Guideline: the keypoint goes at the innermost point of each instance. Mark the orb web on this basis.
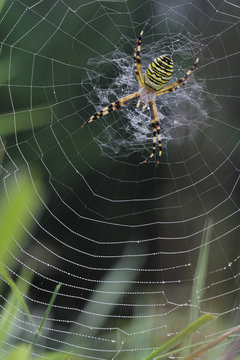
(130, 131)
(123, 239)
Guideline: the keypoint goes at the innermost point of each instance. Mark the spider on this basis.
(153, 84)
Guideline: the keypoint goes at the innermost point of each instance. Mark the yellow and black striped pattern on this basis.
(153, 84)
(182, 81)
(137, 58)
(156, 133)
(112, 107)
(159, 72)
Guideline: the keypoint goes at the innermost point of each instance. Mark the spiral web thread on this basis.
(122, 238)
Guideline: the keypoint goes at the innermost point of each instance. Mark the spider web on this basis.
(122, 238)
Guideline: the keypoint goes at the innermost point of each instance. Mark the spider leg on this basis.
(156, 133)
(137, 59)
(180, 82)
(174, 88)
(113, 106)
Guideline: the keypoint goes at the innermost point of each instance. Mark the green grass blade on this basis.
(200, 272)
(211, 344)
(199, 277)
(181, 336)
(11, 307)
(46, 314)
(205, 346)
(15, 290)
(176, 351)
(16, 201)
(2, 3)
(15, 214)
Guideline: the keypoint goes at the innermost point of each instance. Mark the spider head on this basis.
(159, 72)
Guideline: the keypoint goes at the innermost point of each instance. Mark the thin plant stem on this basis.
(182, 335)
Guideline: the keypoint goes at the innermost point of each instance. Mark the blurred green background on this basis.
(123, 239)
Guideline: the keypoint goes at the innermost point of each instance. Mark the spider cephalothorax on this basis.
(152, 85)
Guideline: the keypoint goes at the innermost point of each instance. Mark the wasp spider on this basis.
(151, 85)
